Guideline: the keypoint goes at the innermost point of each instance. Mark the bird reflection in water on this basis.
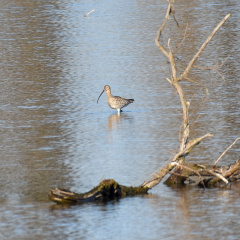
(115, 119)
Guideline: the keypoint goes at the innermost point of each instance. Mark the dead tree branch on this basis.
(187, 70)
(185, 147)
(225, 152)
(167, 168)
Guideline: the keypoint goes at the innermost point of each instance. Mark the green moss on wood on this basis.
(107, 190)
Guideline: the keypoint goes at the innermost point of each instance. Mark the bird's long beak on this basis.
(100, 95)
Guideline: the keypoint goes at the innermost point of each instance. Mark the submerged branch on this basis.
(107, 190)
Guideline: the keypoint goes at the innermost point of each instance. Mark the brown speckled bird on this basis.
(115, 102)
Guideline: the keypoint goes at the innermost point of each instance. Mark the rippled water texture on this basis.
(55, 63)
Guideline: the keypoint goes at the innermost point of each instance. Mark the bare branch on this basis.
(213, 67)
(172, 61)
(225, 152)
(218, 175)
(190, 80)
(86, 14)
(169, 81)
(167, 168)
(174, 80)
(184, 37)
(202, 47)
(170, 10)
(164, 23)
(233, 170)
(173, 11)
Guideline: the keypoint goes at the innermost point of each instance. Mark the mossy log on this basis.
(107, 190)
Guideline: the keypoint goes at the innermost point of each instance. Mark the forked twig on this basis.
(215, 68)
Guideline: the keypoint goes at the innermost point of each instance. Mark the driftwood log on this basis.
(106, 190)
(180, 171)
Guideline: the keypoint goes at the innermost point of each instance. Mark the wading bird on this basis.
(115, 102)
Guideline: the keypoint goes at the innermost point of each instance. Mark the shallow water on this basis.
(55, 63)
